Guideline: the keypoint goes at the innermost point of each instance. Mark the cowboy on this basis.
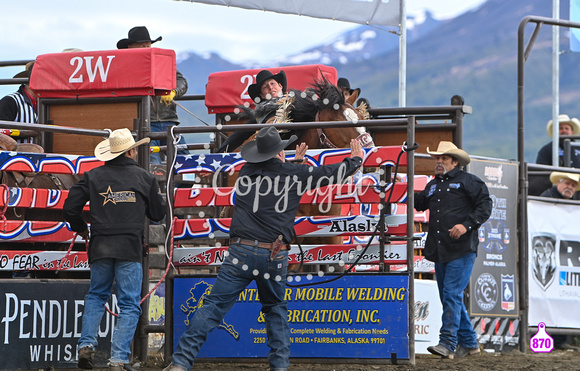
(458, 203)
(163, 108)
(20, 106)
(567, 126)
(260, 233)
(121, 194)
(344, 85)
(564, 185)
(266, 92)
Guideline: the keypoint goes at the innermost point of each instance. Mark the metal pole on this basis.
(403, 56)
(411, 234)
(555, 84)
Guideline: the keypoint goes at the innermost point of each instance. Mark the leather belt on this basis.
(263, 245)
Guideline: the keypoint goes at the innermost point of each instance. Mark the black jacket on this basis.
(455, 198)
(545, 156)
(265, 215)
(121, 194)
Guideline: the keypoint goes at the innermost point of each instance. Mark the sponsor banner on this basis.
(312, 226)
(497, 334)
(43, 260)
(40, 323)
(311, 254)
(422, 265)
(232, 162)
(428, 312)
(356, 316)
(157, 304)
(554, 268)
(493, 285)
(47, 163)
(104, 73)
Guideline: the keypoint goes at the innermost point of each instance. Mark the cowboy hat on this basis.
(263, 76)
(26, 72)
(119, 142)
(450, 149)
(138, 34)
(267, 145)
(565, 119)
(556, 176)
(343, 83)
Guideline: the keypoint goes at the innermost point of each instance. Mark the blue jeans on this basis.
(452, 279)
(235, 274)
(155, 158)
(129, 277)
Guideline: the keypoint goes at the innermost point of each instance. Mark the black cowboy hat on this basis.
(261, 78)
(343, 83)
(138, 34)
(267, 145)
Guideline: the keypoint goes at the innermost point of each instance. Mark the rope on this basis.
(72, 243)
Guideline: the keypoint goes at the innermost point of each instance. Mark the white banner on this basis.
(367, 12)
(428, 312)
(554, 264)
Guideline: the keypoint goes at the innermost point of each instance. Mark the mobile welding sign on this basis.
(40, 324)
(356, 316)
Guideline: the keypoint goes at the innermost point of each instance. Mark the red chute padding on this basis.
(227, 90)
(104, 73)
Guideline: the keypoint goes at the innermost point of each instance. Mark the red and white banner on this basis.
(554, 268)
(104, 73)
(227, 90)
(43, 260)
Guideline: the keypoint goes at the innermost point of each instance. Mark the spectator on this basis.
(163, 108)
(260, 233)
(568, 126)
(458, 203)
(565, 185)
(20, 106)
(120, 195)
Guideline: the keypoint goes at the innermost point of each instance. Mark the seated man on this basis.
(565, 185)
(567, 126)
(265, 93)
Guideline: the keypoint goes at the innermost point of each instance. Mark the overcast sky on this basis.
(33, 27)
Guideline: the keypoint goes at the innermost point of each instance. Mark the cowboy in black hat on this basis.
(344, 85)
(268, 86)
(268, 192)
(163, 108)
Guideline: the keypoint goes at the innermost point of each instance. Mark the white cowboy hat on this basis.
(450, 149)
(119, 142)
(556, 176)
(565, 119)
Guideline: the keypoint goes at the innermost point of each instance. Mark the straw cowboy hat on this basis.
(119, 142)
(26, 72)
(565, 119)
(556, 177)
(267, 145)
(450, 149)
(138, 34)
(263, 76)
(343, 83)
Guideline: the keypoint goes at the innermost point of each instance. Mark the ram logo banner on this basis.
(543, 259)
(356, 316)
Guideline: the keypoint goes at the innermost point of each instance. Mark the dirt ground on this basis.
(515, 360)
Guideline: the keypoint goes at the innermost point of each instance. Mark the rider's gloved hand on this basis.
(167, 99)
